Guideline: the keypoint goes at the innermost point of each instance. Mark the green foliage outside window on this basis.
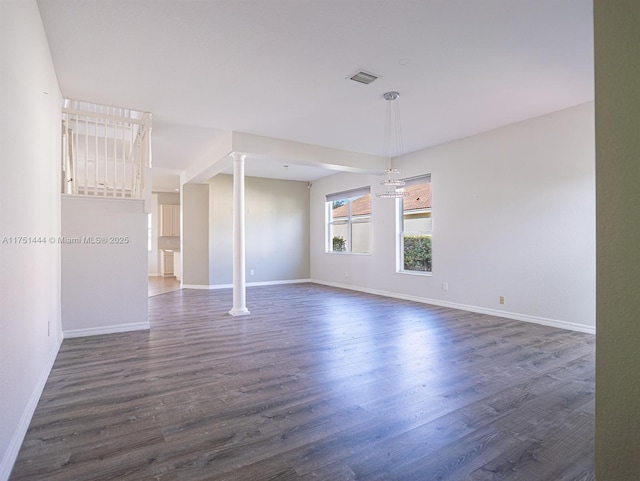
(417, 253)
(339, 244)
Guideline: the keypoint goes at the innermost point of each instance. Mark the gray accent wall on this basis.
(276, 230)
(617, 54)
(195, 234)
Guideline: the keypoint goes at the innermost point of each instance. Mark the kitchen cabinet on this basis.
(166, 263)
(169, 220)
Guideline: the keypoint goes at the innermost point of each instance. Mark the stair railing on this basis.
(106, 151)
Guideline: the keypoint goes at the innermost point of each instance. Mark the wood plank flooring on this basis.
(317, 383)
(162, 285)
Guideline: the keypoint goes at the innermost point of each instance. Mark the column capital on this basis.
(237, 156)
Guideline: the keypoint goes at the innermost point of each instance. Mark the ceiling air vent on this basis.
(363, 77)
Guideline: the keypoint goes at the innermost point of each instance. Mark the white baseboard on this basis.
(249, 284)
(95, 331)
(11, 454)
(275, 283)
(572, 326)
(198, 286)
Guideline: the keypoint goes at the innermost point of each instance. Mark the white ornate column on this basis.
(239, 282)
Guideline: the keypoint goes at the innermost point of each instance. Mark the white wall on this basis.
(276, 230)
(153, 256)
(513, 216)
(104, 285)
(30, 329)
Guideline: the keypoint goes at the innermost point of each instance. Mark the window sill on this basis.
(348, 253)
(416, 273)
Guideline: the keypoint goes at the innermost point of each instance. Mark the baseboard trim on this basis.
(248, 284)
(275, 283)
(195, 286)
(11, 454)
(96, 331)
(571, 326)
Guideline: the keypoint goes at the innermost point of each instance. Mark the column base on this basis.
(243, 311)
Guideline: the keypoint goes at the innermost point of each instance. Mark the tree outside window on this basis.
(414, 226)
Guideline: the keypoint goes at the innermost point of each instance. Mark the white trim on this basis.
(349, 194)
(11, 454)
(572, 326)
(239, 312)
(249, 284)
(81, 197)
(96, 331)
(416, 273)
(343, 253)
(101, 116)
(202, 286)
(416, 180)
(274, 283)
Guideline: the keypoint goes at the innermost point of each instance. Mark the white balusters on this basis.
(105, 150)
(86, 155)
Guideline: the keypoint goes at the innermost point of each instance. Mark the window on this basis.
(414, 226)
(349, 221)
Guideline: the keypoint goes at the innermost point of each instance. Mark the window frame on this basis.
(401, 233)
(350, 220)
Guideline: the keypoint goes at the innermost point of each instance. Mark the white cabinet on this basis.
(169, 220)
(166, 263)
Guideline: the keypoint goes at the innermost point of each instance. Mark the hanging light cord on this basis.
(392, 132)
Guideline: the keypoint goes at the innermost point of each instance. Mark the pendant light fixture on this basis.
(392, 146)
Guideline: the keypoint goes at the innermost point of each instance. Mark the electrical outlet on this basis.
(346, 273)
(251, 272)
(445, 286)
(502, 300)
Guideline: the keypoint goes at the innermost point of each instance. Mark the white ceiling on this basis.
(280, 68)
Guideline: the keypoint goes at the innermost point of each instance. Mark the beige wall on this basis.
(276, 230)
(168, 198)
(617, 57)
(195, 234)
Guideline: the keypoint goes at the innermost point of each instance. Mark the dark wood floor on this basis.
(316, 384)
